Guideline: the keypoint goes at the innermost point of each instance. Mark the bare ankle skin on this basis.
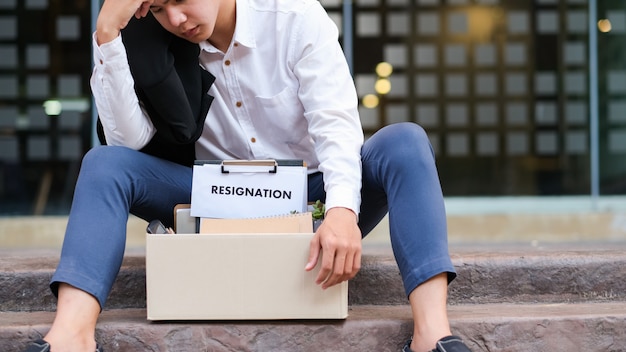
(74, 325)
(430, 315)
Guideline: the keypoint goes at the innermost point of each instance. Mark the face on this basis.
(193, 20)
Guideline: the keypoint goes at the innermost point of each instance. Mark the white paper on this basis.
(247, 194)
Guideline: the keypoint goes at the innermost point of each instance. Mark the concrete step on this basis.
(509, 327)
(516, 274)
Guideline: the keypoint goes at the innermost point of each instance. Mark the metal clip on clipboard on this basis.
(241, 166)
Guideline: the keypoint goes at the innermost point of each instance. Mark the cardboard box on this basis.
(237, 276)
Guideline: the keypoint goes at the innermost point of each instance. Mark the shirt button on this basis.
(239, 104)
(253, 140)
(236, 44)
(227, 62)
(101, 62)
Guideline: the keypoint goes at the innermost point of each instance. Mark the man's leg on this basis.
(399, 175)
(113, 182)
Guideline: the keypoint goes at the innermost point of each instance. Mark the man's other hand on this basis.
(339, 240)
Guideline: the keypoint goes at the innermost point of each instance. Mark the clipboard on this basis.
(231, 189)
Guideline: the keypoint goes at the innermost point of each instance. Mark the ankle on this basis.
(70, 342)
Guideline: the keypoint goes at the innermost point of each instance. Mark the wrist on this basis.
(105, 34)
(340, 211)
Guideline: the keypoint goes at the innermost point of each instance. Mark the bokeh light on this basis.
(384, 69)
(370, 101)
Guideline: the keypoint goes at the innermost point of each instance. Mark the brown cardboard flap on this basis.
(293, 223)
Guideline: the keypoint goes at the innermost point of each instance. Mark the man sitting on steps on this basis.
(283, 90)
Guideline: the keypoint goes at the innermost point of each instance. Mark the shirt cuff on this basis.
(112, 54)
(343, 197)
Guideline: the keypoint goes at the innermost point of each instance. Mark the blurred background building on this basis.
(520, 98)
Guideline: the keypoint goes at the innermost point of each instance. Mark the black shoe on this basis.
(406, 348)
(42, 346)
(38, 346)
(446, 344)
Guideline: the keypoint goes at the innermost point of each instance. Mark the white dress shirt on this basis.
(283, 90)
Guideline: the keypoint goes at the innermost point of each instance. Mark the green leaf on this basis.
(318, 210)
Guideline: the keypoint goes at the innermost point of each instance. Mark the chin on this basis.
(194, 39)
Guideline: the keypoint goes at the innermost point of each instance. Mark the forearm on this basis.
(338, 152)
(338, 136)
(123, 120)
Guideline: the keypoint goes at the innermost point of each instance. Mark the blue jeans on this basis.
(399, 177)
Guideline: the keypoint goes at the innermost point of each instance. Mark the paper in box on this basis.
(294, 223)
(240, 276)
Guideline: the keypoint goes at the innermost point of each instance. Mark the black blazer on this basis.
(171, 85)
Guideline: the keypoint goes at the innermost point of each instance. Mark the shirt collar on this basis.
(244, 35)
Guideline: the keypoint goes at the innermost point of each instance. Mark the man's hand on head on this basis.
(143, 10)
(114, 16)
(339, 240)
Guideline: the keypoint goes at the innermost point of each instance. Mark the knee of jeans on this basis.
(406, 139)
(107, 162)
